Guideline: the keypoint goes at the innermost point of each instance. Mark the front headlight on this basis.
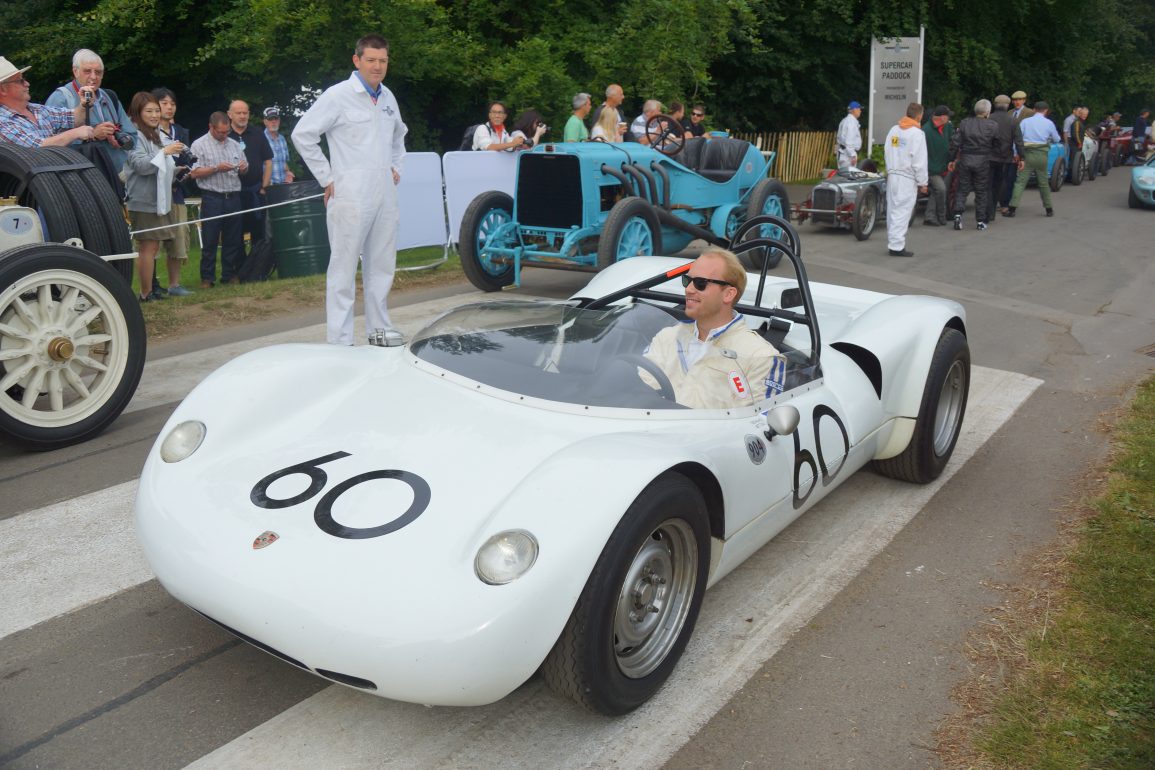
(1147, 179)
(182, 441)
(505, 557)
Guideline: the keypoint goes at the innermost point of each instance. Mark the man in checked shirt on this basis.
(220, 162)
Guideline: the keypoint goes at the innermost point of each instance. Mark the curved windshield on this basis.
(605, 357)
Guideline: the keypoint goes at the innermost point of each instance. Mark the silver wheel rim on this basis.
(950, 404)
(655, 598)
(63, 348)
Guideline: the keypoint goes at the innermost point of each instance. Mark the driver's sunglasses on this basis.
(701, 283)
(698, 114)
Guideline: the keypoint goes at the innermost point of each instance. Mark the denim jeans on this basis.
(227, 232)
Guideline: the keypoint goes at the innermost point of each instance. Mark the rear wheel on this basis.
(940, 415)
(631, 230)
(640, 603)
(72, 345)
(1092, 167)
(486, 214)
(768, 198)
(865, 214)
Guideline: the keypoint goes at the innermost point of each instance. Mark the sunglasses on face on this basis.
(701, 283)
(698, 114)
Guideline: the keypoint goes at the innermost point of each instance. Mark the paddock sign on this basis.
(895, 81)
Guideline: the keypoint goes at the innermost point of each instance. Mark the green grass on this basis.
(1086, 696)
(236, 304)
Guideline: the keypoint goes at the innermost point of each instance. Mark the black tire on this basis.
(484, 215)
(1108, 161)
(631, 230)
(940, 415)
(59, 357)
(1058, 175)
(1133, 201)
(1093, 168)
(865, 214)
(42, 192)
(769, 197)
(1078, 169)
(607, 658)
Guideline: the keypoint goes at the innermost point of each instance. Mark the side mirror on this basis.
(781, 421)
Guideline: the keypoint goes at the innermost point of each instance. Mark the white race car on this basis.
(435, 522)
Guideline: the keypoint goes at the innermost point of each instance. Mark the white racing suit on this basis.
(366, 145)
(737, 367)
(906, 171)
(849, 142)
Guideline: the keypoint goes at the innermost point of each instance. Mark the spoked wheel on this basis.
(1092, 167)
(1058, 175)
(940, 416)
(1078, 169)
(640, 603)
(631, 230)
(665, 134)
(480, 227)
(865, 214)
(72, 345)
(769, 198)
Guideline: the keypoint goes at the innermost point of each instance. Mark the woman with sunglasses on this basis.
(716, 361)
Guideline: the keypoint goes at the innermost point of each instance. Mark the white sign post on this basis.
(895, 81)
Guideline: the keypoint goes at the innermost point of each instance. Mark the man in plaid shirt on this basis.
(281, 173)
(34, 125)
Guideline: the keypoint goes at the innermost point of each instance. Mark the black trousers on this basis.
(974, 176)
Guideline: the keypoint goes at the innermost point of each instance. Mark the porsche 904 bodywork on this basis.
(434, 523)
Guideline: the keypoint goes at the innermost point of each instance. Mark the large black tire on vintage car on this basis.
(72, 345)
(1058, 174)
(1093, 168)
(484, 215)
(640, 603)
(1078, 168)
(769, 197)
(940, 415)
(865, 214)
(631, 230)
(71, 196)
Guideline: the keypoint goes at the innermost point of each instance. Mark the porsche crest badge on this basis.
(266, 538)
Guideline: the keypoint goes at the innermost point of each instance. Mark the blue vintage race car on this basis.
(1142, 191)
(587, 205)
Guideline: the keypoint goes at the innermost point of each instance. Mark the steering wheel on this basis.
(666, 134)
(665, 387)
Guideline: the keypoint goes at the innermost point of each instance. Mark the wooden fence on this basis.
(801, 154)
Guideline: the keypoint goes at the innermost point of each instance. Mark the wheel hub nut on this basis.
(61, 349)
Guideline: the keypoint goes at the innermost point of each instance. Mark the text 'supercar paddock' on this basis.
(434, 523)
(587, 205)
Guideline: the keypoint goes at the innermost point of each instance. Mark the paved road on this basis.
(835, 646)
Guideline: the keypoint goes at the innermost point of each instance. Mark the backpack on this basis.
(467, 137)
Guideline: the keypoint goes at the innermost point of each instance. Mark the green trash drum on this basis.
(300, 236)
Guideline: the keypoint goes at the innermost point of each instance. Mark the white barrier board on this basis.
(468, 174)
(420, 202)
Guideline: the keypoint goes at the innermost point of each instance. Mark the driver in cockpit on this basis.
(714, 360)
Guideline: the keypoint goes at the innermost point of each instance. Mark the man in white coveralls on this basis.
(906, 177)
(366, 136)
(849, 137)
(714, 360)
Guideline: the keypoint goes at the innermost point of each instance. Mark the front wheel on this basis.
(940, 415)
(486, 214)
(865, 214)
(1078, 169)
(1058, 175)
(72, 345)
(639, 606)
(768, 198)
(631, 230)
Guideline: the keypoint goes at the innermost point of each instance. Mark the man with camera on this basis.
(99, 106)
(220, 161)
(36, 125)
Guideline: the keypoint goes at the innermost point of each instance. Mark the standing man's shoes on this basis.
(206, 284)
(981, 226)
(900, 253)
(1010, 212)
(1050, 212)
(958, 221)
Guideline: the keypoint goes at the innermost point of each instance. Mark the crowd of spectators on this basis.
(992, 153)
